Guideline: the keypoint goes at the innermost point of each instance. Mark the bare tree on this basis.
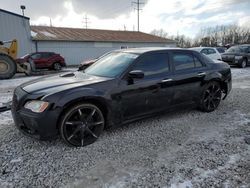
(219, 35)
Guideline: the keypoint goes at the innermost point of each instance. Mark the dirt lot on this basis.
(179, 149)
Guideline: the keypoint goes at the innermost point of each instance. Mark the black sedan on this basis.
(237, 55)
(121, 87)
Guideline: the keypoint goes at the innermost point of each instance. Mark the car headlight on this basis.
(36, 106)
(238, 57)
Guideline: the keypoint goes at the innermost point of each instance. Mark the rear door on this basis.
(45, 60)
(189, 73)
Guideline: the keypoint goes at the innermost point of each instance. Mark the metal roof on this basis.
(148, 49)
(45, 33)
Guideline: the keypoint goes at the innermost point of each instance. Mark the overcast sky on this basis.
(174, 16)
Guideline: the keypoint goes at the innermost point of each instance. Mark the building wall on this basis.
(76, 52)
(16, 27)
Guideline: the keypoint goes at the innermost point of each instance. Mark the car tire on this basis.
(243, 64)
(81, 125)
(57, 66)
(211, 97)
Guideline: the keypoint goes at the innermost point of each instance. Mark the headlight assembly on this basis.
(238, 57)
(36, 106)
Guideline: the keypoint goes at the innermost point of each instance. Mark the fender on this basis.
(78, 93)
(214, 76)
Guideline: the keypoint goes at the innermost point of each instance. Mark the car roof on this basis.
(202, 47)
(149, 49)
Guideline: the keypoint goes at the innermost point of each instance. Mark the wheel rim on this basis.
(83, 126)
(212, 97)
(57, 66)
(244, 64)
(4, 67)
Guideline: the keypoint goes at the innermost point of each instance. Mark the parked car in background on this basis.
(120, 87)
(212, 53)
(238, 55)
(221, 50)
(86, 64)
(42, 60)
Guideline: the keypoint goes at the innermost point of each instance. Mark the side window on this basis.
(45, 55)
(197, 62)
(211, 51)
(183, 61)
(36, 56)
(153, 64)
(204, 51)
(51, 54)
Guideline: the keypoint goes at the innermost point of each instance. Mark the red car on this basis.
(42, 60)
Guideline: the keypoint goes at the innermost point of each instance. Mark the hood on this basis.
(61, 82)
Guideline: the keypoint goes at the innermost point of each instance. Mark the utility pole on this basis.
(86, 21)
(138, 5)
(50, 22)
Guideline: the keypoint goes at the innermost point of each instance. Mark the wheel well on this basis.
(222, 84)
(97, 102)
(57, 62)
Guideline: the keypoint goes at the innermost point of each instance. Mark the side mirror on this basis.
(138, 74)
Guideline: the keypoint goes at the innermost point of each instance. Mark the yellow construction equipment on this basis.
(8, 66)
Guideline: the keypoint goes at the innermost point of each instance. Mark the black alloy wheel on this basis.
(82, 125)
(211, 97)
(243, 64)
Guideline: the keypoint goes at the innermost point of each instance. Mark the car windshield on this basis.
(112, 64)
(234, 49)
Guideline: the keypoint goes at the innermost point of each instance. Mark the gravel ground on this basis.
(187, 148)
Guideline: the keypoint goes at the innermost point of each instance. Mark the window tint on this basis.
(234, 49)
(46, 55)
(112, 64)
(197, 62)
(211, 51)
(36, 56)
(244, 49)
(204, 51)
(153, 64)
(183, 61)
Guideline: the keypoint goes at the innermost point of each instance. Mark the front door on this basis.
(152, 93)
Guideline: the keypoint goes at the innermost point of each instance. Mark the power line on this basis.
(138, 5)
(86, 21)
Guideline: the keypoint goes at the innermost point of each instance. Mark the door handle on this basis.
(166, 80)
(200, 74)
